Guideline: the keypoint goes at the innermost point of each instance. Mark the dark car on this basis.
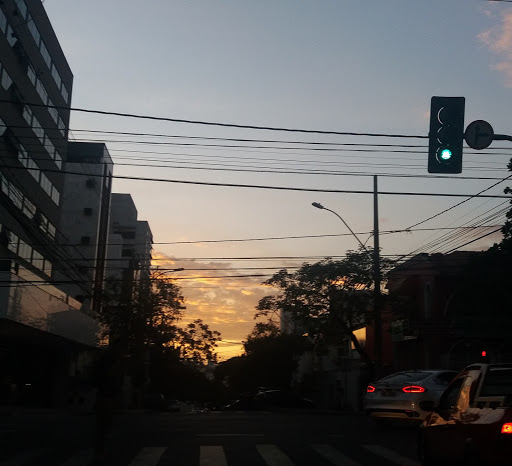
(270, 399)
(282, 399)
(472, 423)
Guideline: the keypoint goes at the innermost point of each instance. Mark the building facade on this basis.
(43, 332)
(85, 220)
(449, 311)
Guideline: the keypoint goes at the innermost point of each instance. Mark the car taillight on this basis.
(413, 389)
(506, 428)
(370, 389)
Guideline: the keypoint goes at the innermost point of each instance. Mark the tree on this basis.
(197, 342)
(506, 242)
(144, 315)
(270, 360)
(326, 299)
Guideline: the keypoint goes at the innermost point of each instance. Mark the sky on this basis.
(230, 203)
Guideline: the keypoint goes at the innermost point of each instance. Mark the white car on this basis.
(407, 395)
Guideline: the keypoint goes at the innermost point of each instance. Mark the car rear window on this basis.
(406, 376)
(498, 382)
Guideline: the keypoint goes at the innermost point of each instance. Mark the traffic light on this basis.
(446, 134)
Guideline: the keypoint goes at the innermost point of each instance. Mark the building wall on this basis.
(85, 219)
(43, 330)
(445, 323)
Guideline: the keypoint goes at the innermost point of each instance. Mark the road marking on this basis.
(82, 458)
(23, 458)
(212, 456)
(148, 456)
(333, 455)
(273, 455)
(391, 455)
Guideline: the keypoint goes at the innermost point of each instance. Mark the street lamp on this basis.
(376, 277)
(320, 206)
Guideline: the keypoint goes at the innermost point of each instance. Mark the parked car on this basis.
(158, 402)
(173, 406)
(406, 395)
(282, 399)
(270, 399)
(153, 400)
(472, 423)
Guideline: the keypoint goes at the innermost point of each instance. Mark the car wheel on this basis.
(424, 454)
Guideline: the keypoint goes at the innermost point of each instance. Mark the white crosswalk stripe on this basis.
(274, 456)
(148, 456)
(391, 455)
(215, 455)
(334, 456)
(212, 455)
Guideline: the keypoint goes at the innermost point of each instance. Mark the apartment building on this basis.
(85, 221)
(43, 332)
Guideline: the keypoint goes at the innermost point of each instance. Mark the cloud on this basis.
(219, 294)
(498, 40)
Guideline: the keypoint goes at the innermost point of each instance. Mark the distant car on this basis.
(472, 423)
(406, 395)
(173, 406)
(282, 399)
(268, 400)
(153, 400)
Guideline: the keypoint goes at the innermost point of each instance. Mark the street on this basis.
(208, 438)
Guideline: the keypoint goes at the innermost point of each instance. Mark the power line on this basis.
(281, 188)
(210, 123)
(462, 202)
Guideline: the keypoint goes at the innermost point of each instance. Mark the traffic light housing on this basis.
(446, 134)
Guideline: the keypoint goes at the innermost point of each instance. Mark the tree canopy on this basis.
(149, 314)
(325, 299)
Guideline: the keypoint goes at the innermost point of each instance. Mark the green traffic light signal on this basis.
(446, 134)
(445, 154)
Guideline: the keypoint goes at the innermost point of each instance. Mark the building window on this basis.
(85, 240)
(33, 30)
(31, 74)
(87, 211)
(3, 22)
(56, 76)
(11, 36)
(6, 80)
(46, 55)
(22, 7)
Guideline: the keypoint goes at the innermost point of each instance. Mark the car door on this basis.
(444, 432)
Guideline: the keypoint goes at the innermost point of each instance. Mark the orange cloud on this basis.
(498, 39)
(216, 293)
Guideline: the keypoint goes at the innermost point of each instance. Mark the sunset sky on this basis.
(232, 204)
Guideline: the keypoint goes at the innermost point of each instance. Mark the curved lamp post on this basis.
(376, 278)
(320, 206)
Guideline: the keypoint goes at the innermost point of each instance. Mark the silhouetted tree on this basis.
(145, 314)
(326, 299)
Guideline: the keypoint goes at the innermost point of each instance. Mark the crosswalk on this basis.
(218, 455)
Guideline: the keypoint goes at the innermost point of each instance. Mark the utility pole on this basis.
(377, 310)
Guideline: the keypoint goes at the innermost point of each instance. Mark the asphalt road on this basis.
(207, 439)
